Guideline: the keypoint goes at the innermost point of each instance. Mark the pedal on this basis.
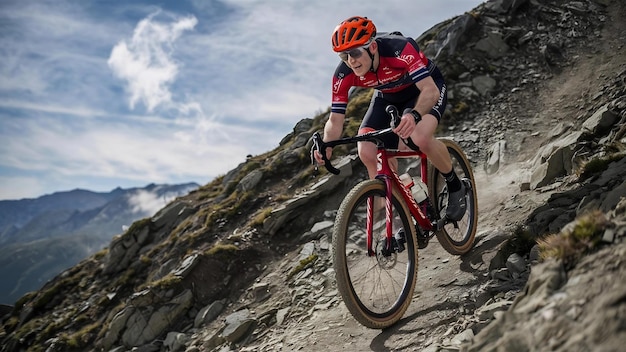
(423, 238)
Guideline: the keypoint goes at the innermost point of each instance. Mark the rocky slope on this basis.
(537, 100)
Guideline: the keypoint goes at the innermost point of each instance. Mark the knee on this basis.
(367, 156)
(424, 134)
(425, 142)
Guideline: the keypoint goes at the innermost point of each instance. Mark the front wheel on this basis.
(377, 287)
(456, 237)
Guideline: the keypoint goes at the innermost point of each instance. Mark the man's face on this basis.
(358, 60)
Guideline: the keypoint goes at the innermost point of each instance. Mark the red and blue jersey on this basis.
(402, 64)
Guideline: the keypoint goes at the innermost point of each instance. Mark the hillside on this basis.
(41, 237)
(243, 263)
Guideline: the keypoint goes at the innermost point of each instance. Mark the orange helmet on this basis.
(353, 32)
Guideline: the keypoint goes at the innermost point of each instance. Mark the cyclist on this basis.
(402, 76)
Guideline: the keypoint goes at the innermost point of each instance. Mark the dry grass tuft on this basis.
(575, 241)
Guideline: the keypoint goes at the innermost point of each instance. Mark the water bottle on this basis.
(418, 188)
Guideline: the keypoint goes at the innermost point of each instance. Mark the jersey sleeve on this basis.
(340, 89)
(418, 63)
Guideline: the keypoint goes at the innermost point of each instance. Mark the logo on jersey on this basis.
(337, 85)
(408, 59)
(441, 95)
(394, 77)
(370, 83)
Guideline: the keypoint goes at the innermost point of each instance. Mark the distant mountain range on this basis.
(39, 238)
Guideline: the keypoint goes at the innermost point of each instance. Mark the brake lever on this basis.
(395, 116)
(318, 144)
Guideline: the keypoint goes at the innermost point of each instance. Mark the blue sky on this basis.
(101, 94)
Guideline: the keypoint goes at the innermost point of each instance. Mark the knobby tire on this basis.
(459, 239)
(378, 289)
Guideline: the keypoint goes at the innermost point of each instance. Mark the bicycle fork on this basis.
(391, 244)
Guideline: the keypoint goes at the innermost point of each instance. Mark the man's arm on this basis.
(334, 126)
(429, 93)
(332, 131)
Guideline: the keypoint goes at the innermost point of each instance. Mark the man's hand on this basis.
(406, 126)
(318, 156)
(332, 131)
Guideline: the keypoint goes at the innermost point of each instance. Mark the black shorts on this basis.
(377, 118)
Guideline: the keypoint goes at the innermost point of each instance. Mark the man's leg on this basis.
(367, 154)
(424, 137)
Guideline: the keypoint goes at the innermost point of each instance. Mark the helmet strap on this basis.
(372, 69)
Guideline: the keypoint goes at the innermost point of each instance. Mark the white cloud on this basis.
(149, 202)
(117, 150)
(145, 202)
(146, 61)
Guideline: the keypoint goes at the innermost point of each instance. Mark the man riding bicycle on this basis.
(402, 76)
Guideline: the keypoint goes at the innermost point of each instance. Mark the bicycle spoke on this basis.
(377, 287)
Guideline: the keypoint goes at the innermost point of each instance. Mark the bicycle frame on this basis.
(391, 178)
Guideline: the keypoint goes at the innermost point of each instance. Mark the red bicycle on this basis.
(380, 226)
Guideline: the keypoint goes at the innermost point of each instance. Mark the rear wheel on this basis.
(377, 288)
(455, 237)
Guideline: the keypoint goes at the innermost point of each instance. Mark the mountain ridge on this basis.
(56, 231)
